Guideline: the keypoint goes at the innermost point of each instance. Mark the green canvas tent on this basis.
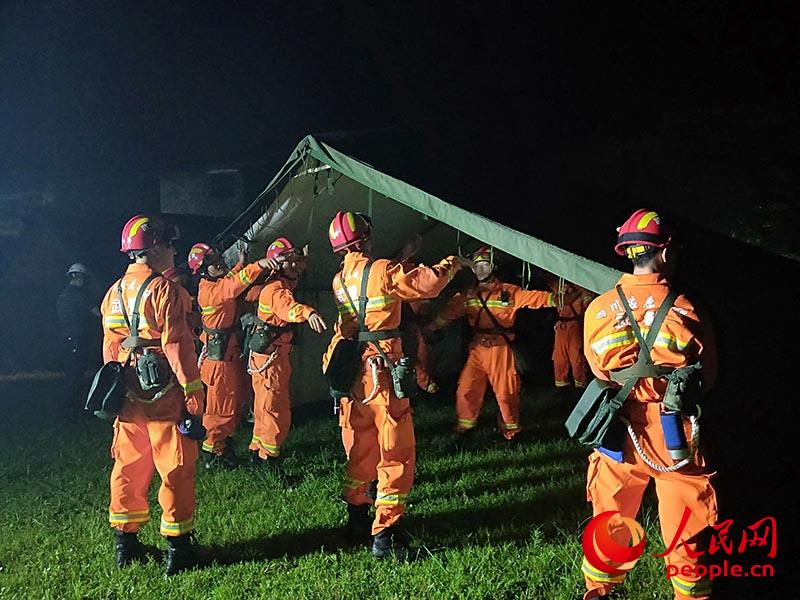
(318, 180)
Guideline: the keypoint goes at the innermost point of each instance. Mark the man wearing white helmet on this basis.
(77, 317)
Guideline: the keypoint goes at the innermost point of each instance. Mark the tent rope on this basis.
(562, 290)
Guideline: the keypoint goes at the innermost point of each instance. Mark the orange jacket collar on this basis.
(645, 279)
(138, 268)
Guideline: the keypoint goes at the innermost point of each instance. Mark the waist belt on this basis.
(374, 336)
(491, 331)
(274, 329)
(639, 371)
(226, 332)
(133, 342)
(567, 319)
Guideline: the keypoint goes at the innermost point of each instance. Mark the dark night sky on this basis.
(103, 97)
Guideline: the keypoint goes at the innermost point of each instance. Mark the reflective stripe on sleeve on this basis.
(193, 386)
(390, 499)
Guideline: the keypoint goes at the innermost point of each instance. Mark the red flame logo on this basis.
(597, 541)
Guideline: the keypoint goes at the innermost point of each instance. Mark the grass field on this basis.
(490, 520)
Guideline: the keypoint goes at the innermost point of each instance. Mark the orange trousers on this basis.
(225, 400)
(493, 363)
(146, 439)
(380, 444)
(568, 354)
(619, 487)
(271, 407)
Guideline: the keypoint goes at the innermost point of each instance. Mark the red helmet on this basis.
(348, 228)
(642, 232)
(280, 247)
(200, 254)
(143, 232)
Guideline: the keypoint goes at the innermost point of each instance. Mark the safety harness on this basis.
(151, 368)
(522, 360)
(400, 380)
(598, 407)
(647, 368)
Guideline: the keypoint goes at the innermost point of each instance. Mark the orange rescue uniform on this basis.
(380, 433)
(146, 437)
(610, 344)
(271, 371)
(568, 343)
(225, 379)
(490, 359)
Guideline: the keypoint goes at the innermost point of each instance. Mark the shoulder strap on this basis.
(132, 341)
(363, 332)
(643, 367)
(646, 345)
(361, 311)
(500, 329)
(138, 301)
(363, 299)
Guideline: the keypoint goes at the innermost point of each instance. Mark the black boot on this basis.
(226, 460)
(391, 542)
(372, 490)
(181, 553)
(127, 548)
(358, 523)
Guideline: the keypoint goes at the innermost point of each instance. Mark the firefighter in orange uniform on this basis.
(268, 362)
(376, 419)
(147, 437)
(568, 339)
(611, 345)
(248, 309)
(490, 307)
(222, 368)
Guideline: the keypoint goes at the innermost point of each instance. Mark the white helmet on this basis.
(78, 268)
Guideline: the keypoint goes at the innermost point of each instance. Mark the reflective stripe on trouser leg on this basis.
(170, 529)
(676, 493)
(560, 357)
(383, 448)
(362, 435)
(118, 520)
(617, 487)
(224, 392)
(506, 385)
(130, 477)
(577, 361)
(471, 387)
(175, 458)
(271, 405)
(397, 461)
(599, 576)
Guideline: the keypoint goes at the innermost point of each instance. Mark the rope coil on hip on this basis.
(695, 421)
(375, 365)
(202, 356)
(267, 363)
